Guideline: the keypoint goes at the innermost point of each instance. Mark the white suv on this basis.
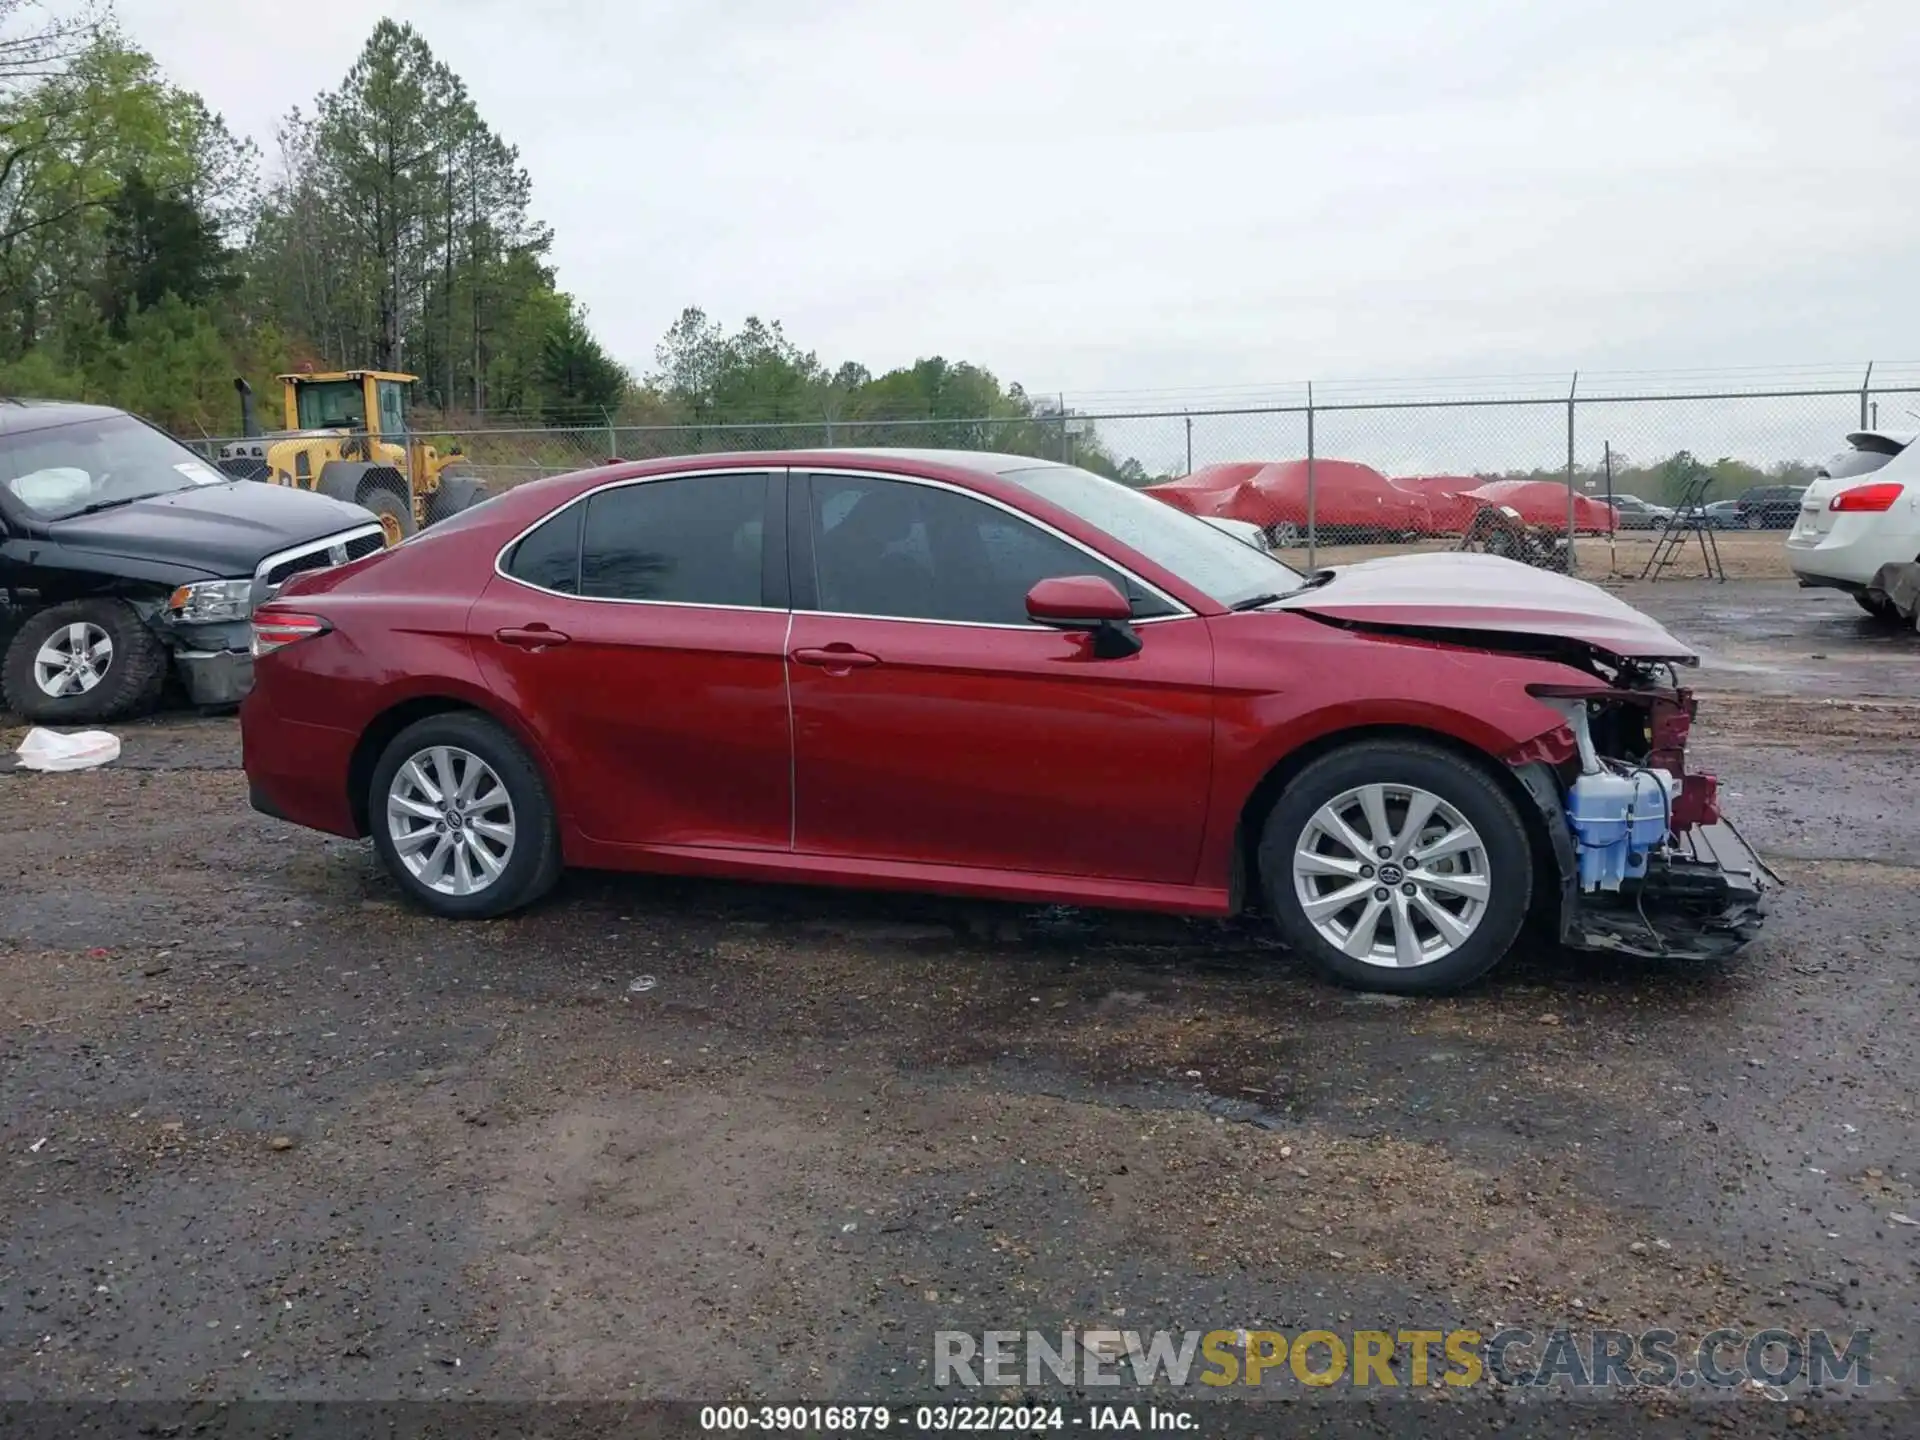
(1862, 512)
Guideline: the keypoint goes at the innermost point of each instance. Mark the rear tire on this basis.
(1878, 606)
(498, 849)
(1461, 907)
(1756, 521)
(123, 664)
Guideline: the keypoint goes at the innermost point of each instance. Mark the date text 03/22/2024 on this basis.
(936, 1419)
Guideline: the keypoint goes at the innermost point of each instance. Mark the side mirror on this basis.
(1087, 602)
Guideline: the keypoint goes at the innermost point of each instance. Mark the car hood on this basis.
(217, 529)
(1484, 599)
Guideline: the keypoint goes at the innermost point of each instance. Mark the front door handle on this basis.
(837, 659)
(529, 637)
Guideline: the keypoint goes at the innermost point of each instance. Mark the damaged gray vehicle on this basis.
(126, 560)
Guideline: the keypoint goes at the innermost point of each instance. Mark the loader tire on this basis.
(459, 490)
(393, 508)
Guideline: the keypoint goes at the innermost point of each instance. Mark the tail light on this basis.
(1867, 498)
(273, 629)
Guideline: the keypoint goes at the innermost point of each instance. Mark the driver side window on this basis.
(901, 550)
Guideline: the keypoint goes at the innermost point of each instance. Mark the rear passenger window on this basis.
(550, 556)
(694, 541)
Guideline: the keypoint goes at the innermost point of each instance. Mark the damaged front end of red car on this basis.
(1646, 862)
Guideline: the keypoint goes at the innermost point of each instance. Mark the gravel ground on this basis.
(268, 1132)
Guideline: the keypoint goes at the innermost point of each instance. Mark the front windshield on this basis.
(332, 405)
(90, 464)
(1227, 570)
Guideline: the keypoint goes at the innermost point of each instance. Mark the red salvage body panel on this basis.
(1544, 502)
(1347, 496)
(1451, 505)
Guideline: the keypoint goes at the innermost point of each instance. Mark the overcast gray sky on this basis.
(1103, 196)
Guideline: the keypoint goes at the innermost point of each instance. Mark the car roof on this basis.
(985, 462)
(17, 415)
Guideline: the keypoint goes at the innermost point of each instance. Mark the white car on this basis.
(1862, 512)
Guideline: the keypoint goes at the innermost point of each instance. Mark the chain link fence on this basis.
(1339, 474)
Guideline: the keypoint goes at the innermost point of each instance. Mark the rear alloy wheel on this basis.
(83, 661)
(1397, 867)
(1756, 521)
(461, 818)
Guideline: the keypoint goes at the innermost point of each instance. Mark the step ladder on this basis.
(1689, 520)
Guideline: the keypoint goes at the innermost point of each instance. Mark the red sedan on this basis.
(995, 676)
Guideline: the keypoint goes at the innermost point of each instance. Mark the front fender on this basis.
(1288, 683)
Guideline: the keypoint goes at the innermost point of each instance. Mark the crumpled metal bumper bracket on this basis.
(215, 677)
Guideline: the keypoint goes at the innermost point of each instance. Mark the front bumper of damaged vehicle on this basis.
(214, 659)
(215, 677)
(1701, 898)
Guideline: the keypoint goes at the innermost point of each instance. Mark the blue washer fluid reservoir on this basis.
(1650, 818)
(1617, 820)
(1600, 810)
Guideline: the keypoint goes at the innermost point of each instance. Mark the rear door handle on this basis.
(529, 637)
(835, 659)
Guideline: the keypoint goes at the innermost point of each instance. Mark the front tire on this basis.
(81, 662)
(1397, 866)
(462, 819)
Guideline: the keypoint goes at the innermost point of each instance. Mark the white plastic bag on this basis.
(50, 750)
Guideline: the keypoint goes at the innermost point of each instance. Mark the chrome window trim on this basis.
(311, 547)
(1181, 611)
(977, 624)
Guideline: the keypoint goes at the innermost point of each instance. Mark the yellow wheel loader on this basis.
(347, 436)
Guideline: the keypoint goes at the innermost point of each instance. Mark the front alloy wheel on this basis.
(1392, 875)
(72, 661)
(1397, 865)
